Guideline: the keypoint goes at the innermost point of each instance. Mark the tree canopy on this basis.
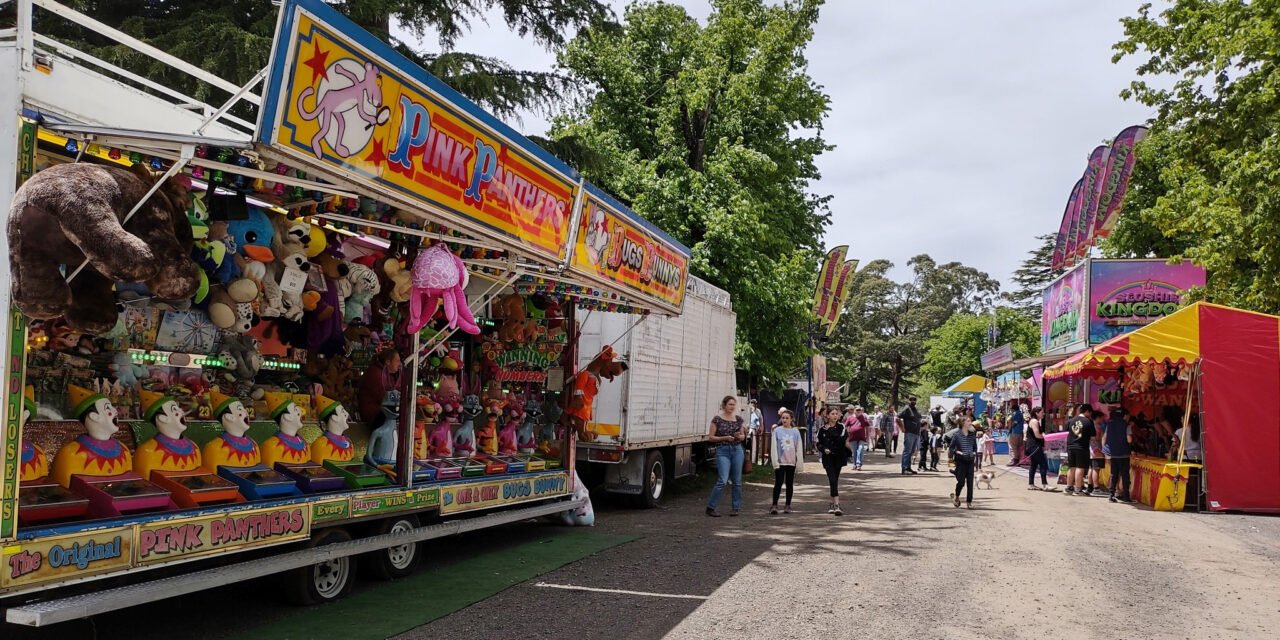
(1205, 179)
(232, 39)
(711, 132)
(1031, 278)
(955, 349)
(879, 344)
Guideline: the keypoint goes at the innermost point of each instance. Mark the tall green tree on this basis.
(955, 349)
(711, 132)
(1206, 189)
(880, 341)
(1031, 278)
(232, 39)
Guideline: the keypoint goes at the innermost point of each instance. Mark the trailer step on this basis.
(39, 614)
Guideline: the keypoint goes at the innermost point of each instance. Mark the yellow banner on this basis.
(471, 496)
(614, 249)
(340, 99)
(65, 557)
(193, 537)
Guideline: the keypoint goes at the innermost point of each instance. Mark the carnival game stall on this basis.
(969, 389)
(365, 306)
(1205, 362)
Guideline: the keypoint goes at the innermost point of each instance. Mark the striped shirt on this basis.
(964, 444)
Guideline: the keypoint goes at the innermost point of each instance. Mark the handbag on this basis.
(747, 467)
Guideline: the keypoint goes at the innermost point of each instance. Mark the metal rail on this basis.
(49, 612)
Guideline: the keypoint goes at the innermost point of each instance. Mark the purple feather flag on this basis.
(1060, 246)
(1072, 216)
(1093, 175)
(1116, 179)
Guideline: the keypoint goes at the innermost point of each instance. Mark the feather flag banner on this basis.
(1115, 181)
(844, 287)
(824, 294)
(1069, 218)
(1092, 188)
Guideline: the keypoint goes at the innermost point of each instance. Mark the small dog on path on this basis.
(985, 477)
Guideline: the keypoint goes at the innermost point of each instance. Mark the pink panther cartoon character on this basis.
(335, 106)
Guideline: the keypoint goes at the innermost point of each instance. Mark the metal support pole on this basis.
(408, 418)
(235, 97)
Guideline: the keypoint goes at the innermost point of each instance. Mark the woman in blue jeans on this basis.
(727, 433)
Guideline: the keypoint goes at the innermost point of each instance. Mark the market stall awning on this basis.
(971, 384)
(1174, 338)
(1024, 364)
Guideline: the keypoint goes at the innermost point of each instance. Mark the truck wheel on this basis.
(324, 581)
(655, 480)
(395, 562)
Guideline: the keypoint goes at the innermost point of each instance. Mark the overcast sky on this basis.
(959, 127)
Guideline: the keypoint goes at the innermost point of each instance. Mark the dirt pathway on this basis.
(903, 563)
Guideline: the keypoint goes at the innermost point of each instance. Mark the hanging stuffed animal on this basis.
(511, 309)
(363, 283)
(439, 275)
(68, 213)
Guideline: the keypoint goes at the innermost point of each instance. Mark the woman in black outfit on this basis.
(831, 443)
(964, 449)
(1033, 446)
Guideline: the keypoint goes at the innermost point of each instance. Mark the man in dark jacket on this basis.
(910, 417)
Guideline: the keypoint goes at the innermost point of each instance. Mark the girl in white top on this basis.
(788, 457)
(1191, 450)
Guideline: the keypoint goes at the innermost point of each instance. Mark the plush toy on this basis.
(241, 355)
(363, 283)
(317, 242)
(401, 281)
(323, 321)
(428, 413)
(270, 298)
(254, 236)
(548, 438)
(70, 212)
(127, 373)
(464, 442)
(337, 378)
(507, 438)
(290, 272)
(525, 441)
(440, 438)
(511, 309)
(356, 335)
(487, 433)
(231, 307)
(439, 275)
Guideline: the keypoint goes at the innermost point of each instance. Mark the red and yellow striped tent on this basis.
(1239, 356)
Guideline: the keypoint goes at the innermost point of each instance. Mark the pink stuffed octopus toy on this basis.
(439, 275)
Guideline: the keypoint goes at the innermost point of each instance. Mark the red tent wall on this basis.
(1240, 374)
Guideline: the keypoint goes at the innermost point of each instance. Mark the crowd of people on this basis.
(843, 438)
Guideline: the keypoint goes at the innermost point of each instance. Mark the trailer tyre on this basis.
(325, 581)
(397, 562)
(655, 481)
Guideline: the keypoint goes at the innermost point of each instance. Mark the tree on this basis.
(1206, 192)
(709, 132)
(880, 341)
(955, 349)
(1035, 274)
(232, 39)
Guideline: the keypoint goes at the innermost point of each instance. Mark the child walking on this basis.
(787, 446)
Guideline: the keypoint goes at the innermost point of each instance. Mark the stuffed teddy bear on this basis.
(511, 309)
(49, 225)
(240, 352)
(363, 283)
(231, 307)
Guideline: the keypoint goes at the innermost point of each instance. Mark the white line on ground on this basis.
(571, 587)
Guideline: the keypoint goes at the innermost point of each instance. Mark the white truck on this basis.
(650, 424)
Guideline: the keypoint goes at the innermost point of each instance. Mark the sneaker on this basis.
(837, 511)
(955, 499)
(712, 512)
(1071, 491)
(773, 511)
(1031, 487)
(1112, 499)
(733, 514)
(831, 510)
(787, 509)
(968, 505)
(1126, 500)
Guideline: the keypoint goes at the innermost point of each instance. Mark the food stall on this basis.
(1206, 362)
(351, 320)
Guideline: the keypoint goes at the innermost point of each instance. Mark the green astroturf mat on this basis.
(381, 610)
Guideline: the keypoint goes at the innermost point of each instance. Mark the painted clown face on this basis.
(291, 420)
(336, 423)
(235, 420)
(170, 420)
(100, 421)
